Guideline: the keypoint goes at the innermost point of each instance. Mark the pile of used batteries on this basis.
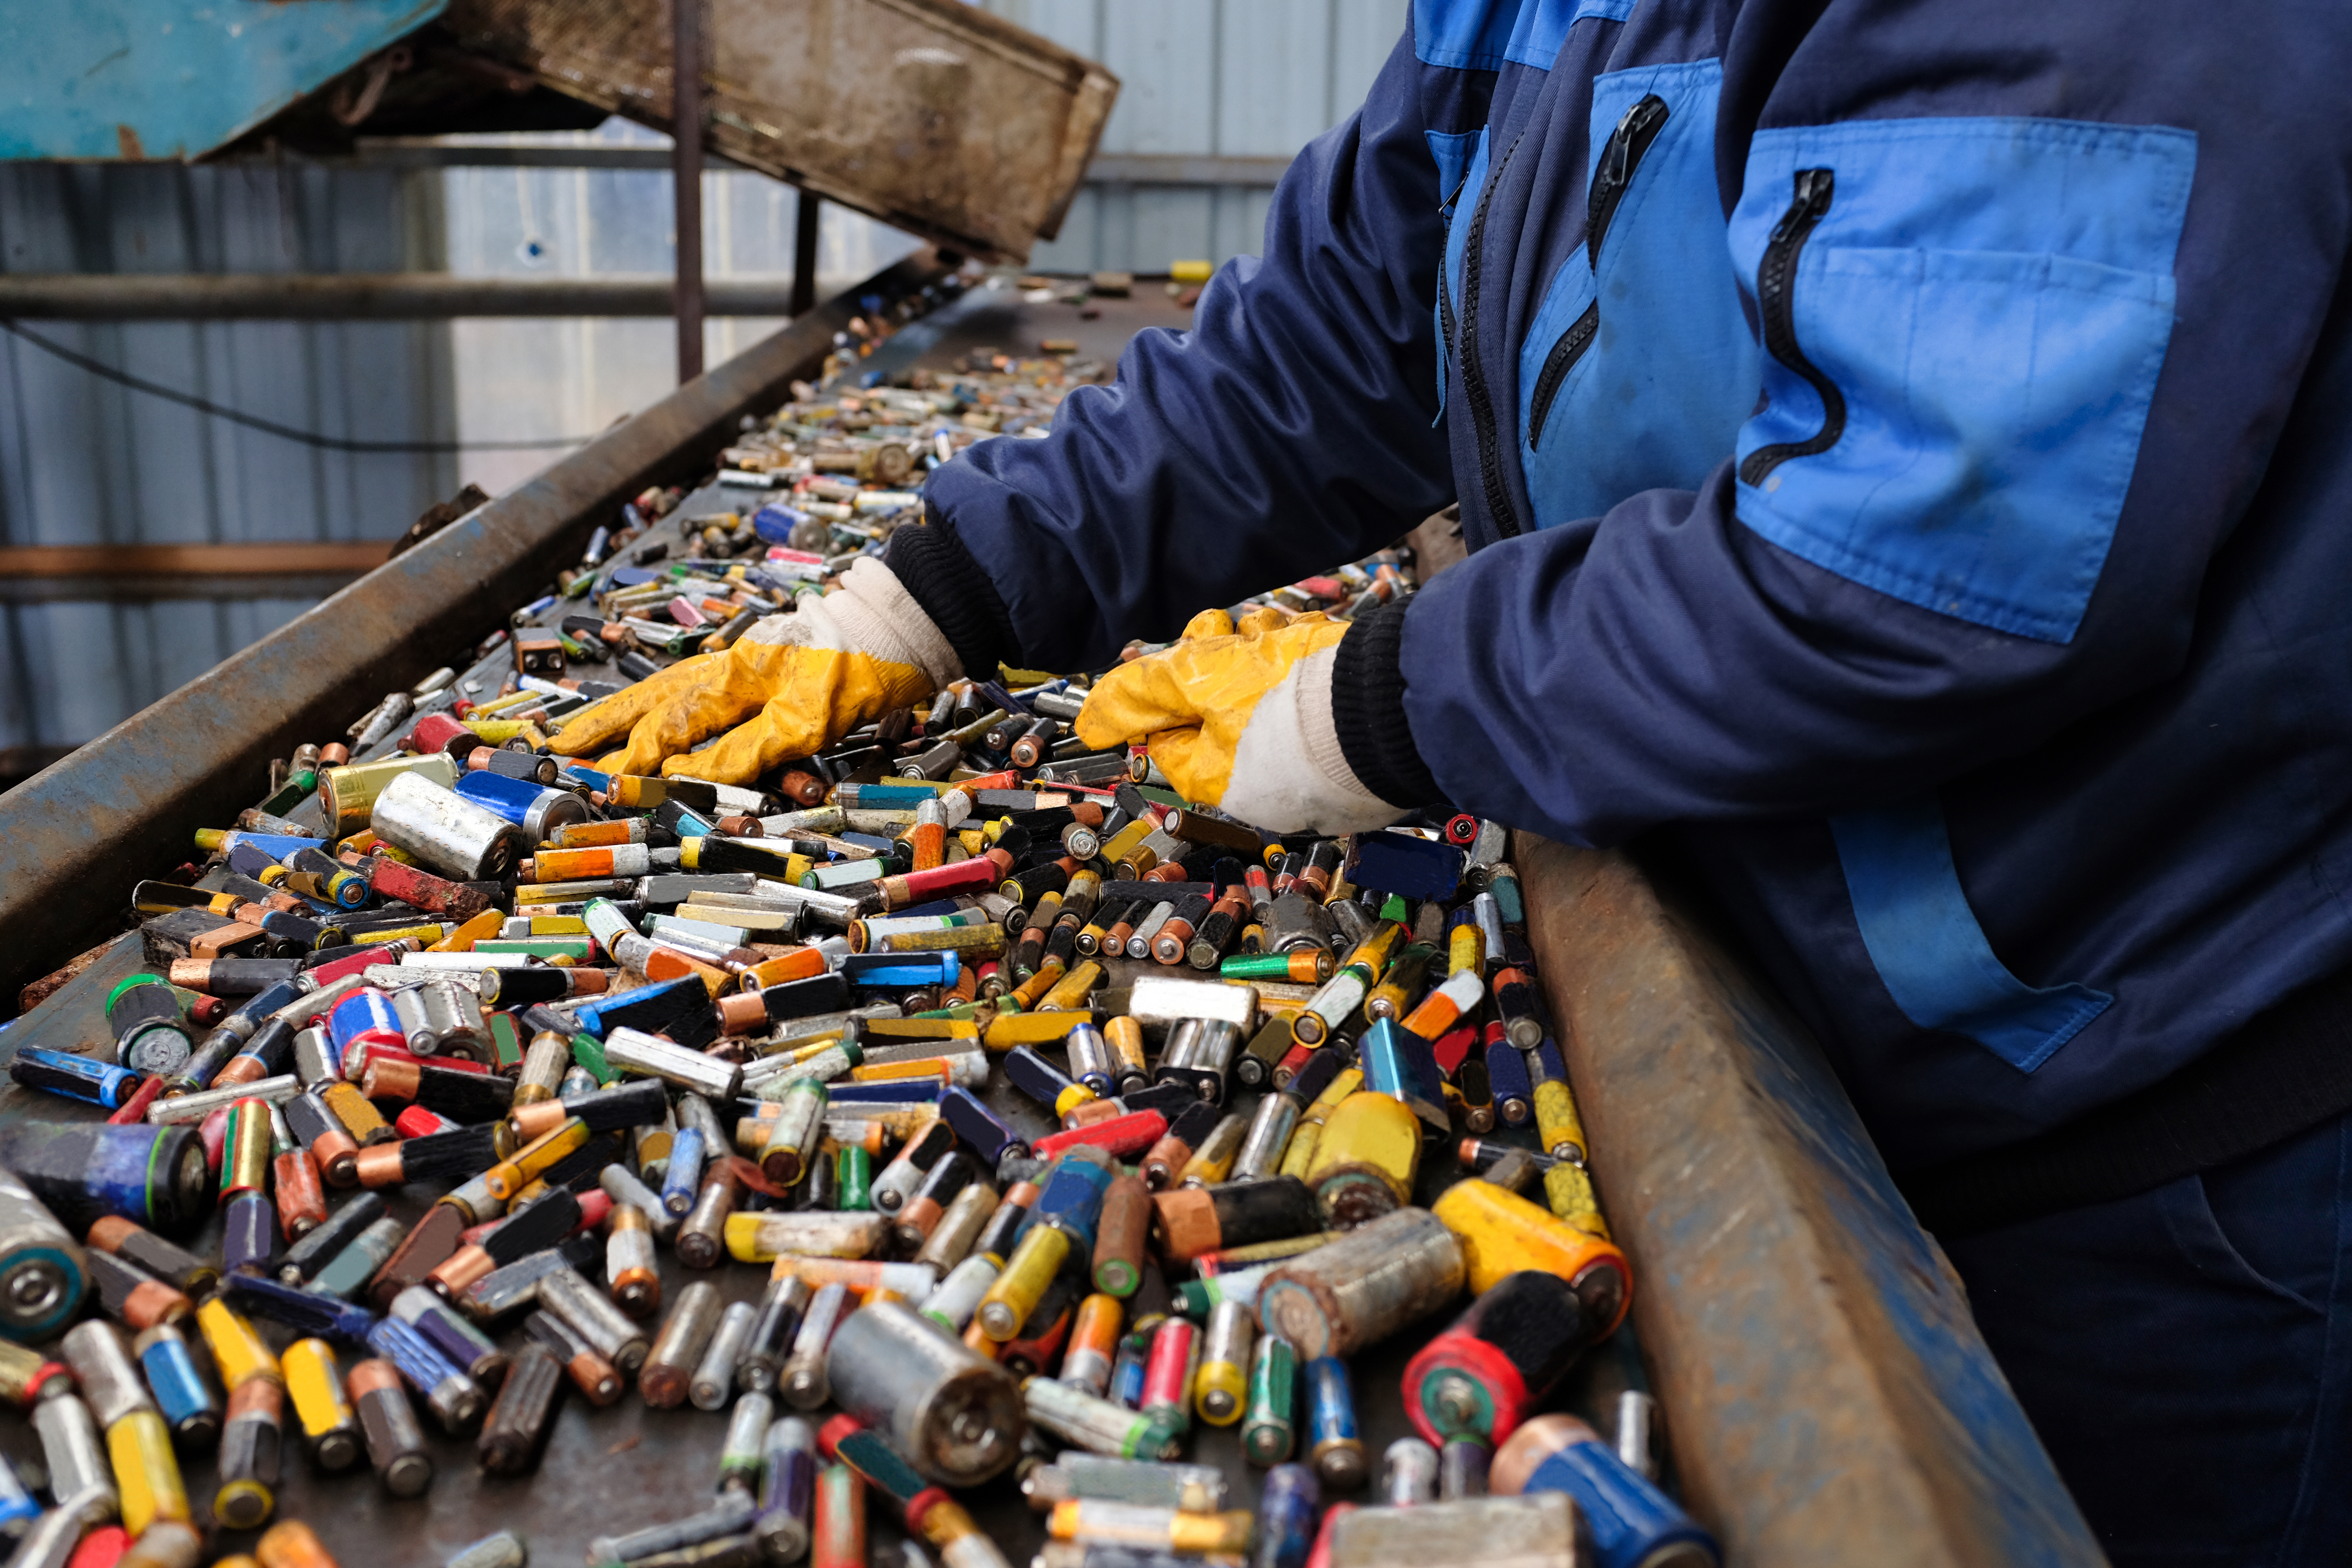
(1064, 1119)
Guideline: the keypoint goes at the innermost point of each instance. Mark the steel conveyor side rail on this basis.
(75, 835)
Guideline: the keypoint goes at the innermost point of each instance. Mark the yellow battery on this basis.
(428, 932)
(1568, 1192)
(1375, 950)
(1126, 839)
(1007, 1030)
(888, 1031)
(1502, 1233)
(509, 1176)
(358, 1117)
(1298, 1154)
(238, 1352)
(1125, 1038)
(1070, 993)
(1023, 1283)
(1466, 951)
(1025, 996)
(348, 794)
(882, 1072)
(488, 923)
(146, 1471)
(1070, 1099)
(1212, 1159)
(315, 1383)
(559, 925)
(1365, 1160)
(1558, 1128)
(1095, 1521)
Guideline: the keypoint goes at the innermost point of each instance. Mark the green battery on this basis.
(506, 1043)
(1267, 1428)
(1256, 966)
(855, 1167)
(575, 948)
(588, 1051)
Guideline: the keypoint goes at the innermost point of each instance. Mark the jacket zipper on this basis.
(1776, 303)
(1612, 176)
(1444, 299)
(1474, 377)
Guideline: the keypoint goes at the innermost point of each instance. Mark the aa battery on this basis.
(1632, 1523)
(517, 1425)
(1192, 1220)
(838, 1528)
(792, 1134)
(504, 1550)
(152, 1175)
(1168, 1373)
(72, 1076)
(899, 1180)
(714, 1374)
(345, 1274)
(634, 1051)
(331, 1429)
(109, 1377)
(1093, 1343)
(396, 1442)
(631, 1271)
(919, 1214)
(1075, 1474)
(1080, 1419)
(1365, 1285)
(1120, 1233)
(955, 1415)
(788, 1468)
(252, 1439)
(957, 1300)
(1286, 1518)
(674, 1541)
(1221, 1385)
(667, 1371)
(187, 1397)
(75, 1457)
(447, 1331)
(1268, 1420)
(454, 1399)
(770, 1234)
(1137, 1528)
(959, 1226)
(771, 1339)
(1213, 1162)
(1461, 1469)
(1335, 1441)
(1408, 1473)
(146, 1471)
(623, 1188)
(803, 1379)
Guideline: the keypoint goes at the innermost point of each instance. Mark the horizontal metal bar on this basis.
(150, 588)
(403, 152)
(201, 754)
(361, 296)
(261, 559)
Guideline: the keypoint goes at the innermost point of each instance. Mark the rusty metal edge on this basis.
(1826, 1393)
(71, 836)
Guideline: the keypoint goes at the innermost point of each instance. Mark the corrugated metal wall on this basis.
(1220, 77)
(83, 461)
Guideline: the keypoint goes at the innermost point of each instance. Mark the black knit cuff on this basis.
(933, 566)
(1368, 709)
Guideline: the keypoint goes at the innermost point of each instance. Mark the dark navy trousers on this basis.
(2186, 1356)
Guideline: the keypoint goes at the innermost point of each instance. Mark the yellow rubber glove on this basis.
(1241, 719)
(788, 688)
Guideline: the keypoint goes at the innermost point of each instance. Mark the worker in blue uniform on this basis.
(1902, 452)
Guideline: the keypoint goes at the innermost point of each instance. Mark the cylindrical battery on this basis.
(1075, 1473)
(919, 1212)
(668, 1369)
(1168, 1373)
(1408, 1473)
(1079, 1418)
(109, 1377)
(803, 1380)
(1269, 1134)
(1365, 1285)
(75, 1456)
(146, 1471)
(446, 831)
(959, 1226)
(517, 1425)
(43, 1273)
(1461, 1469)
(701, 1238)
(838, 1529)
(792, 1134)
(956, 1416)
(958, 1297)
(1125, 1037)
(1191, 1221)
(395, 1441)
(1220, 1386)
(1499, 1359)
(251, 1441)
(1335, 1442)
(631, 1271)
(184, 1394)
(1285, 1532)
(788, 1467)
(1631, 1521)
(608, 1331)
(739, 1456)
(1365, 1160)
(1268, 1421)
(770, 1337)
(1120, 1233)
(714, 1374)
(1501, 1233)
(331, 1430)
(1093, 1343)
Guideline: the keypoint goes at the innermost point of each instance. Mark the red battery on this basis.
(1120, 1136)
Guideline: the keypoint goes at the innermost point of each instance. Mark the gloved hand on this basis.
(802, 681)
(1241, 719)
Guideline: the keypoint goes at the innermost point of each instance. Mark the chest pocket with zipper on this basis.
(1639, 365)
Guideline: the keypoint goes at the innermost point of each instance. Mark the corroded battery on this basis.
(1365, 1285)
(1534, 1532)
(955, 1415)
(446, 831)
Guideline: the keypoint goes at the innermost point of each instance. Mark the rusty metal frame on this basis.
(133, 798)
(1809, 1342)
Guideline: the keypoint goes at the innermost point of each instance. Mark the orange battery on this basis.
(486, 924)
(668, 963)
(927, 1067)
(801, 964)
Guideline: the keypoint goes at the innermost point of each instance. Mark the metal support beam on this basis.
(403, 152)
(201, 754)
(686, 179)
(364, 297)
(119, 574)
(807, 220)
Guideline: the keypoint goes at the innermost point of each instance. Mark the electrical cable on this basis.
(268, 427)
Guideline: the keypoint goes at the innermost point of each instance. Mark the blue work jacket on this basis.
(1904, 449)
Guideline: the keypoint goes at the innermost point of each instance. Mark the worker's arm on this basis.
(2031, 370)
(1290, 428)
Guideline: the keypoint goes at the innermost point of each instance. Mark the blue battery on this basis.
(84, 1078)
(1506, 1078)
(1400, 1063)
(16, 1504)
(1335, 1442)
(774, 522)
(1402, 863)
(683, 1180)
(182, 1392)
(1285, 1532)
(511, 799)
(1632, 1522)
(366, 1017)
(249, 1238)
(902, 1092)
(976, 1127)
(899, 971)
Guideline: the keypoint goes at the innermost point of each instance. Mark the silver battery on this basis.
(1092, 1062)
(1081, 1419)
(668, 1370)
(1076, 1476)
(1232, 1327)
(731, 1515)
(1139, 942)
(1157, 999)
(51, 1542)
(958, 1296)
(1636, 1442)
(504, 1550)
(109, 1380)
(835, 909)
(1269, 1137)
(896, 1182)
(805, 1382)
(188, 1109)
(714, 1374)
(510, 1288)
(314, 1057)
(954, 1414)
(1199, 1054)
(550, 809)
(1408, 1473)
(1536, 1531)
(447, 832)
(440, 1016)
(43, 1272)
(770, 1340)
(959, 1224)
(590, 1313)
(622, 1187)
(635, 1051)
(75, 1457)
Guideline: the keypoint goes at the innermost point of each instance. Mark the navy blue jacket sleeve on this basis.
(1290, 428)
(2003, 439)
